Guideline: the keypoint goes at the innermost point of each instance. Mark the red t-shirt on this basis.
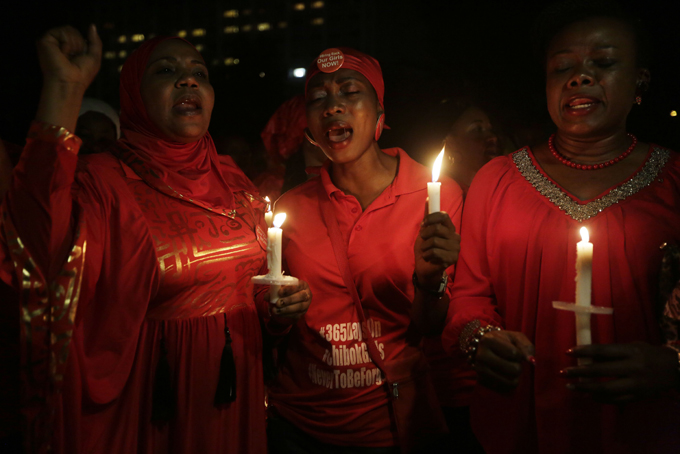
(328, 385)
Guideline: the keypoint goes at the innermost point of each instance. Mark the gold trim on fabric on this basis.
(47, 322)
(582, 212)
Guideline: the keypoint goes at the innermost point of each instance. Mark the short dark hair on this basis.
(559, 15)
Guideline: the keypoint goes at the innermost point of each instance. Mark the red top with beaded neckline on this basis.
(518, 251)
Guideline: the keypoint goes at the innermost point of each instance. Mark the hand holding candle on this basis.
(434, 188)
(298, 297)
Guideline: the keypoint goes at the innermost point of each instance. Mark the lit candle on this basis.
(583, 309)
(434, 188)
(274, 236)
(584, 282)
(268, 215)
(274, 278)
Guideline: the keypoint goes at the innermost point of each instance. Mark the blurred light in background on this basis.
(299, 72)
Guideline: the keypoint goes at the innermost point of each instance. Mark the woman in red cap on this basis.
(139, 331)
(352, 375)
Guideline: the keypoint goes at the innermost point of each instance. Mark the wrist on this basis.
(471, 336)
(60, 103)
(433, 288)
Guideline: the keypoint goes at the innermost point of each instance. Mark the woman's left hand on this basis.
(436, 248)
(636, 371)
(294, 300)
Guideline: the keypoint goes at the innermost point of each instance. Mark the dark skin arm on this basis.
(69, 64)
(436, 248)
(635, 371)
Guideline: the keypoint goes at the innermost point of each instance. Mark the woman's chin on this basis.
(186, 135)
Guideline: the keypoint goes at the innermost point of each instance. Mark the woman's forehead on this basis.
(175, 49)
(339, 76)
(595, 33)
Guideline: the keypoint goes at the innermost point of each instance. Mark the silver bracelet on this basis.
(471, 342)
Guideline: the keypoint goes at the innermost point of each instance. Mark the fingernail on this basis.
(532, 360)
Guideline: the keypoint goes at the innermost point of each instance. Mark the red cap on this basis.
(335, 58)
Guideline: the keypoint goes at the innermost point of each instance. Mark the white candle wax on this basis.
(584, 281)
(433, 193)
(274, 235)
(434, 188)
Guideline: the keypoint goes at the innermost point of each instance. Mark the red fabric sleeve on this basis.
(472, 295)
(39, 200)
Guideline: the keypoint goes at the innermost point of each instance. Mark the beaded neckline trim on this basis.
(582, 212)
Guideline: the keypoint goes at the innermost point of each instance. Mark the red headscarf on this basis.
(361, 63)
(190, 171)
(285, 131)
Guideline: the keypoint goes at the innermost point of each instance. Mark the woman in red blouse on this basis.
(378, 269)
(521, 225)
(139, 331)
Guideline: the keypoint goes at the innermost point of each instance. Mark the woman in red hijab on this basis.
(353, 378)
(139, 332)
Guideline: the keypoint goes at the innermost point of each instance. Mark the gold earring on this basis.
(308, 135)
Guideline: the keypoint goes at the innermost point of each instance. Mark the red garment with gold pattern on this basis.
(151, 266)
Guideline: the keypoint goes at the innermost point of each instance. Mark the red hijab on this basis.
(285, 130)
(189, 171)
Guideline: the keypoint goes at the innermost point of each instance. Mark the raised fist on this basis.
(66, 57)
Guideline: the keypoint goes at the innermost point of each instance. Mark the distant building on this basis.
(262, 45)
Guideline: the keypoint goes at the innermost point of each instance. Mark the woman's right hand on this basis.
(69, 64)
(499, 359)
(66, 58)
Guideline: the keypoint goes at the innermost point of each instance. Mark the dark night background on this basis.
(432, 52)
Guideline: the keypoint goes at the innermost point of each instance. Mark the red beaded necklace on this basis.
(568, 162)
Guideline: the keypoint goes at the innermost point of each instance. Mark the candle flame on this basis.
(269, 203)
(437, 165)
(278, 220)
(584, 235)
